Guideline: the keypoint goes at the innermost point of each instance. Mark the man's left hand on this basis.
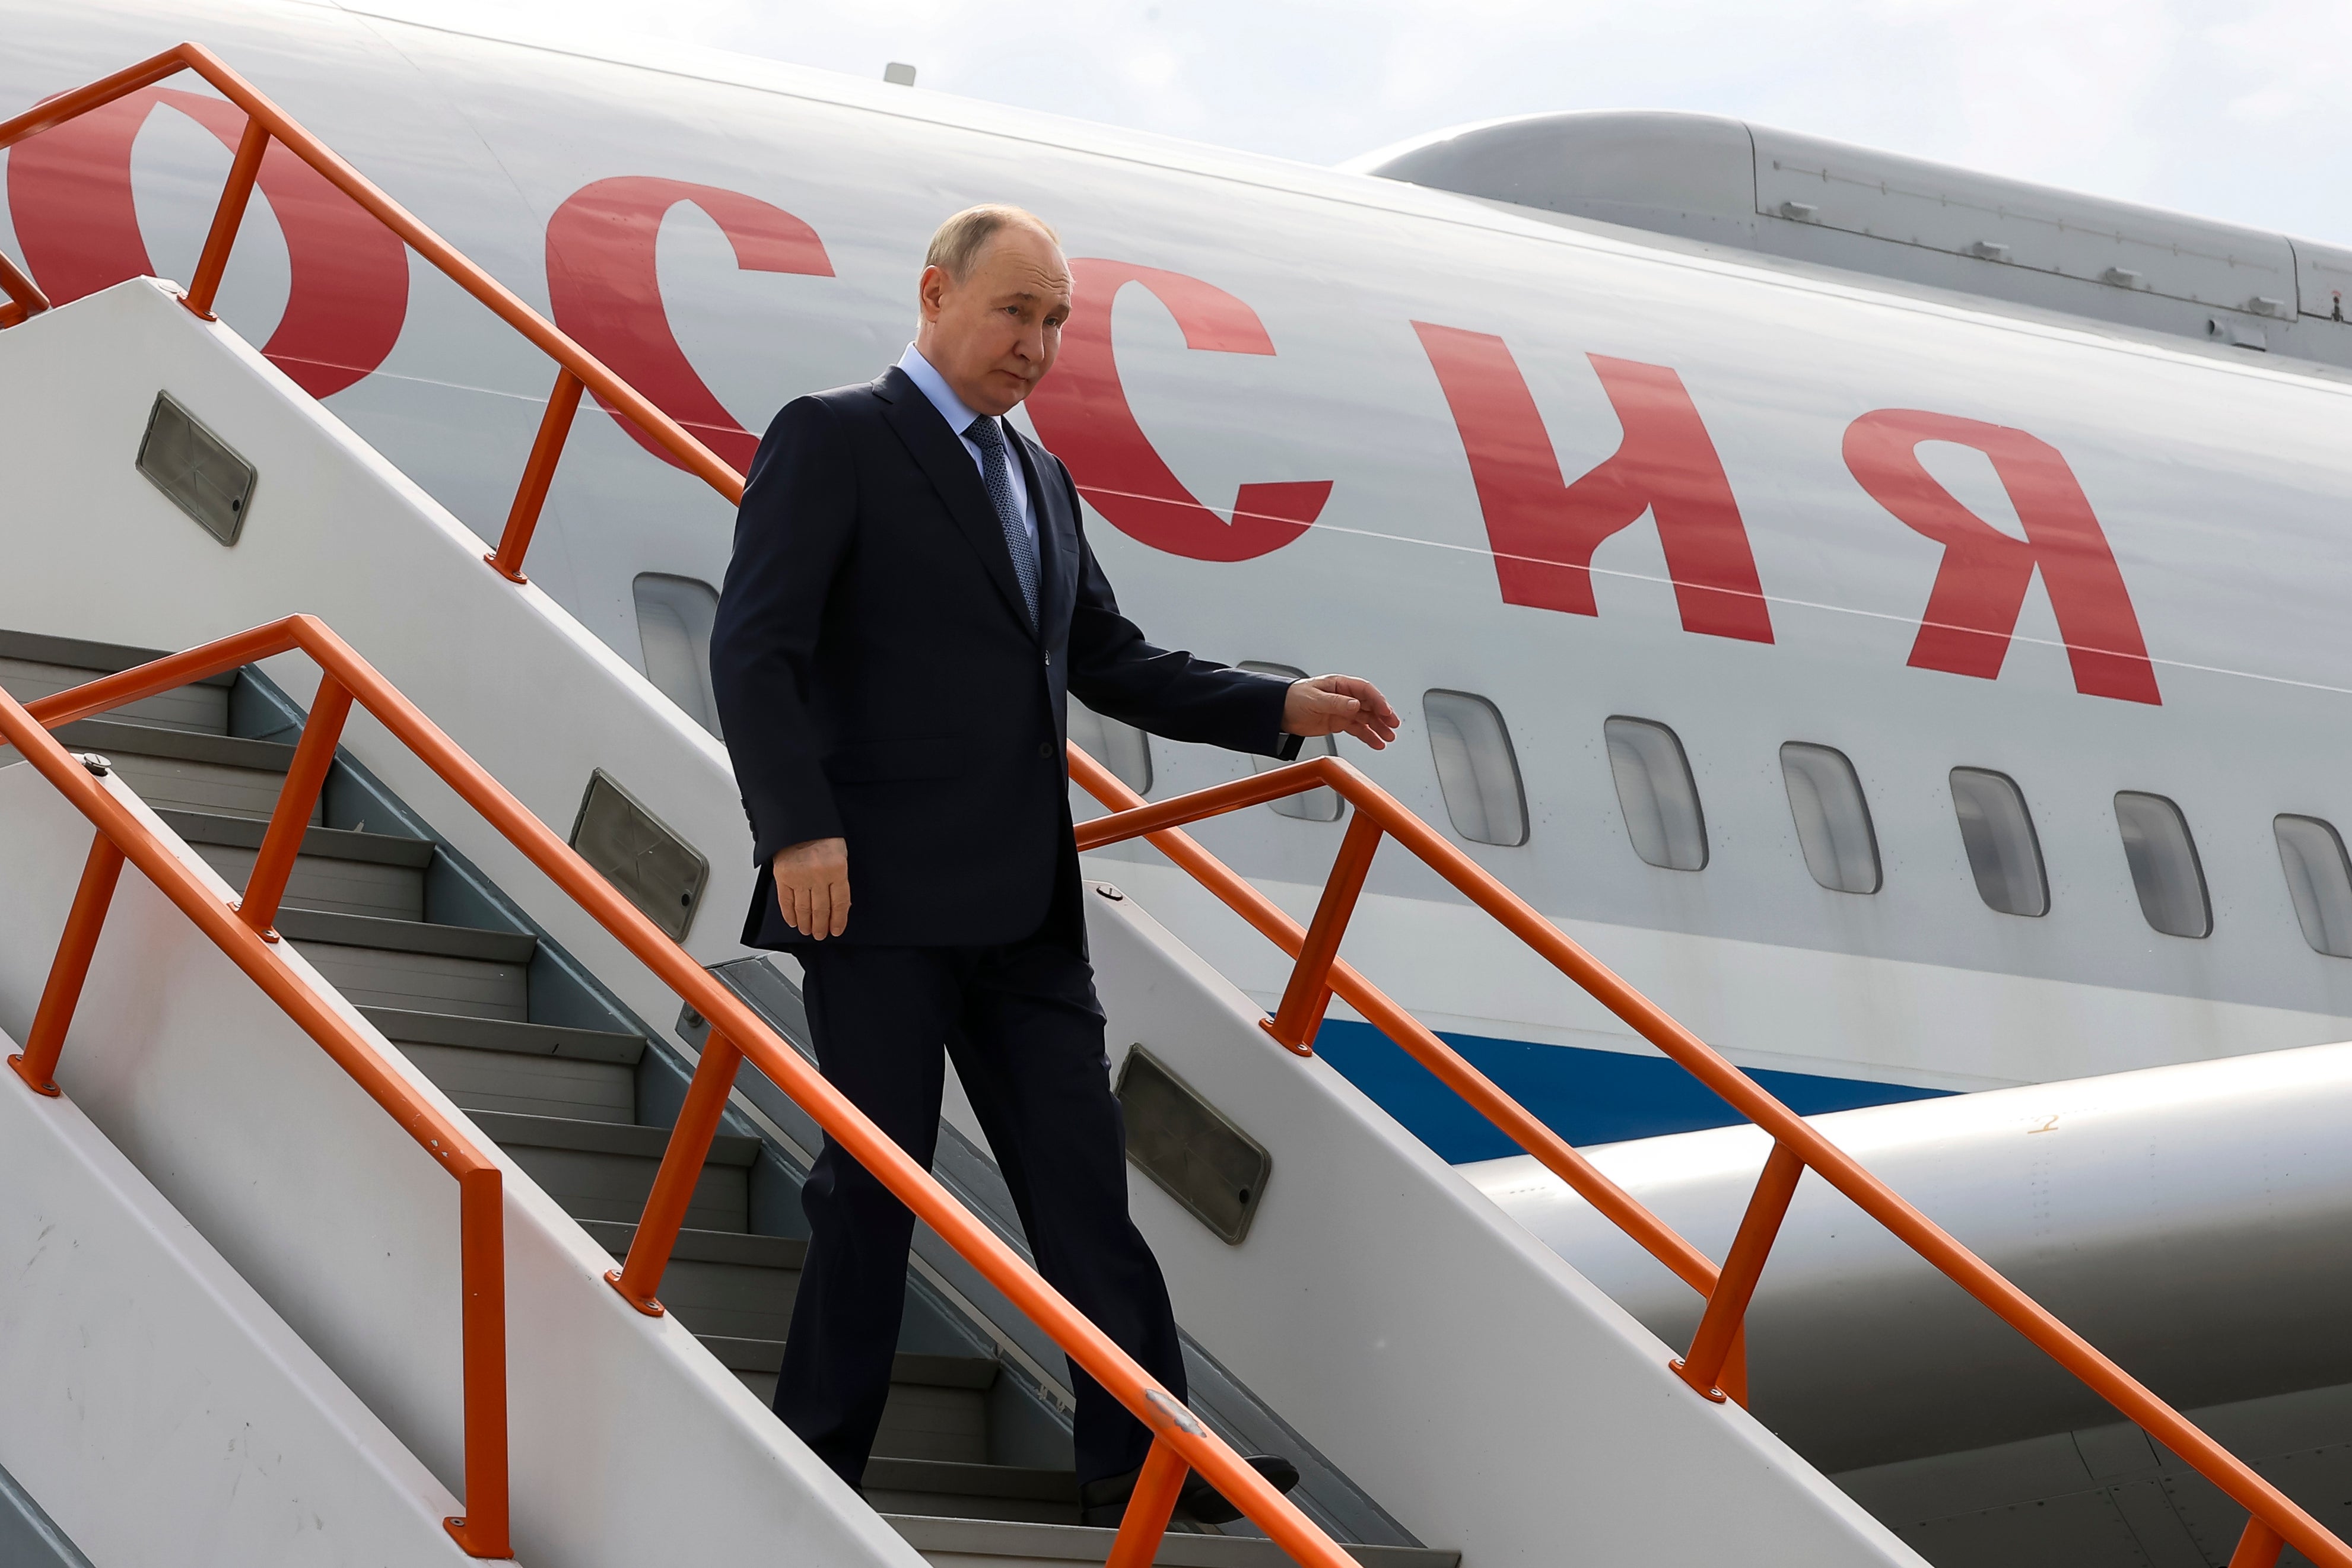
(1339, 704)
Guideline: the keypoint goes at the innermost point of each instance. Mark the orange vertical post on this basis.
(206, 284)
(1300, 1013)
(1727, 1305)
(1148, 1508)
(314, 754)
(25, 300)
(538, 473)
(38, 1065)
(2258, 1546)
(483, 1529)
(689, 1145)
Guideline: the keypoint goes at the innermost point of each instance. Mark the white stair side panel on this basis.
(1488, 1394)
(630, 1444)
(152, 1403)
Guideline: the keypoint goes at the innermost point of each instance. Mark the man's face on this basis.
(994, 334)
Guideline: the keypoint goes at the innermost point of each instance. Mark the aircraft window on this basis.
(1121, 747)
(1655, 791)
(1475, 769)
(674, 617)
(2319, 880)
(2164, 864)
(1315, 805)
(2003, 851)
(1832, 819)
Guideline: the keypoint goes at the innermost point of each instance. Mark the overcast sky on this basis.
(2240, 110)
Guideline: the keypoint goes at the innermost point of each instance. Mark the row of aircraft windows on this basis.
(1478, 775)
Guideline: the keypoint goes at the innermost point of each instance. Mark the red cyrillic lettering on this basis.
(1982, 583)
(1081, 412)
(70, 195)
(602, 281)
(1544, 532)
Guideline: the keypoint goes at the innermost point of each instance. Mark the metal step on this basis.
(222, 774)
(966, 1491)
(202, 708)
(531, 1069)
(1010, 1545)
(598, 1170)
(415, 967)
(338, 871)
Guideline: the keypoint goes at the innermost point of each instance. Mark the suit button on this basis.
(1049, 658)
(1045, 748)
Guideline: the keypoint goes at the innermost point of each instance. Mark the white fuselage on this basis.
(2216, 480)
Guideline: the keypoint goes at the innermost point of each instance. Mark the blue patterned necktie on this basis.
(996, 466)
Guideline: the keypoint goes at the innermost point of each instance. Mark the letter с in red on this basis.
(606, 292)
(1544, 532)
(1082, 415)
(70, 196)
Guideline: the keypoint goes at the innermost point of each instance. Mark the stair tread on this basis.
(111, 735)
(408, 1027)
(406, 935)
(977, 1373)
(603, 1137)
(709, 1246)
(327, 843)
(1078, 1543)
(956, 1478)
(98, 658)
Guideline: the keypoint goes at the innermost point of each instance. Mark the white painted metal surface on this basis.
(1486, 1394)
(150, 1400)
(2218, 478)
(2194, 1222)
(631, 1444)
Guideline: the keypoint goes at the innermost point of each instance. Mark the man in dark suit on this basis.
(910, 604)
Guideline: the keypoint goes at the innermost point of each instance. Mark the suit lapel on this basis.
(940, 454)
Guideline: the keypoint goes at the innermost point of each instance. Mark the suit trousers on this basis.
(1025, 1030)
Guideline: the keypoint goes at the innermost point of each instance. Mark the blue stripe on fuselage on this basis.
(1585, 1096)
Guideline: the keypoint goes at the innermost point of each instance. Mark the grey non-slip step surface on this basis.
(203, 708)
(421, 982)
(331, 886)
(946, 1539)
(112, 736)
(89, 660)
(600, 1170)
(464, 1032)
(970, 1492)
(327, 843)
(406, 936)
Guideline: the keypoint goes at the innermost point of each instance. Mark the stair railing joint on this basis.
(289, 818)
(25, 300)
(243, 171)
(640, 1277)
(1727, 1305)
(1309, 994)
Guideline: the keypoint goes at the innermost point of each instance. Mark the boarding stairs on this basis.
(474, 976)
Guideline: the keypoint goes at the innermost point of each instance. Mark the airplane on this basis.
(1887, 613)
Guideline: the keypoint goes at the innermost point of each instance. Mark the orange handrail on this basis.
(24, 296)
(1317, 974)
(482, 1529)
(265, 122)
(1180, 1441)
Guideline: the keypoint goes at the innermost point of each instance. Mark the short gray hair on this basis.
(960, 240)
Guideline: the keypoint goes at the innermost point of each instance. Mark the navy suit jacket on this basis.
(879, 682)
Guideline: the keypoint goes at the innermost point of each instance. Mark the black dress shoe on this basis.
(1103, 1504)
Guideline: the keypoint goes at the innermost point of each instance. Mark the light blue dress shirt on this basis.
(952, 409)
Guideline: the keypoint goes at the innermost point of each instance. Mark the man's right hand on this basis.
(812, 886)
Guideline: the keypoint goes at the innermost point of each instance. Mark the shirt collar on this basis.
(935, 387)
